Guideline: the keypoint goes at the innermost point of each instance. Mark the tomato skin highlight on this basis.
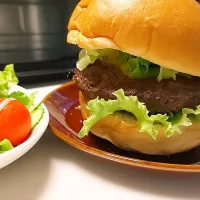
(15, 122)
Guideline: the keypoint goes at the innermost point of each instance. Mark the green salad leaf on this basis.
(7, 80)
(5, 145)
(100, 108)
(32, 104)
(20, 96)
(134, 67)
(166, 74)
(27, 100)
(87, 57)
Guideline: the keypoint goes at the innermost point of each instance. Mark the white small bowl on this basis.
(15, 153)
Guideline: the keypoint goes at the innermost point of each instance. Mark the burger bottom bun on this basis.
(123, 132)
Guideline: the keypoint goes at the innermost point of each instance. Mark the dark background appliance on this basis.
(33, 38)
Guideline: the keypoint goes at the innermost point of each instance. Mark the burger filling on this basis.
(114, 81)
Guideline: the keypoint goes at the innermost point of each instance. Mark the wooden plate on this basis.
(66, 121)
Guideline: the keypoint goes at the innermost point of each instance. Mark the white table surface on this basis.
(53, 170)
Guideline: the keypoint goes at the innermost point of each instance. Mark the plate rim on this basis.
(140, 163)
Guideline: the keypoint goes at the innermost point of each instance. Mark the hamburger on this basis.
(138, 72)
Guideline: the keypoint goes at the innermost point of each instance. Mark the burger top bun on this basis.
(165, 32)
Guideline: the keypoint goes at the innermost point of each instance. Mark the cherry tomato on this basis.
(15, 122)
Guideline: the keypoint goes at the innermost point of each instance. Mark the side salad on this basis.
(19, 111)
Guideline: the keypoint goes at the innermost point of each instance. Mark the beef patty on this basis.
(101, 80)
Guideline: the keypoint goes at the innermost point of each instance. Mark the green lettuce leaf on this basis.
(20, 96)
(166, 74)
(87, 57)
(27, 100)
(5, 145)
(7, 80)
(32, 105)
(133, 67)
(100, 108)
